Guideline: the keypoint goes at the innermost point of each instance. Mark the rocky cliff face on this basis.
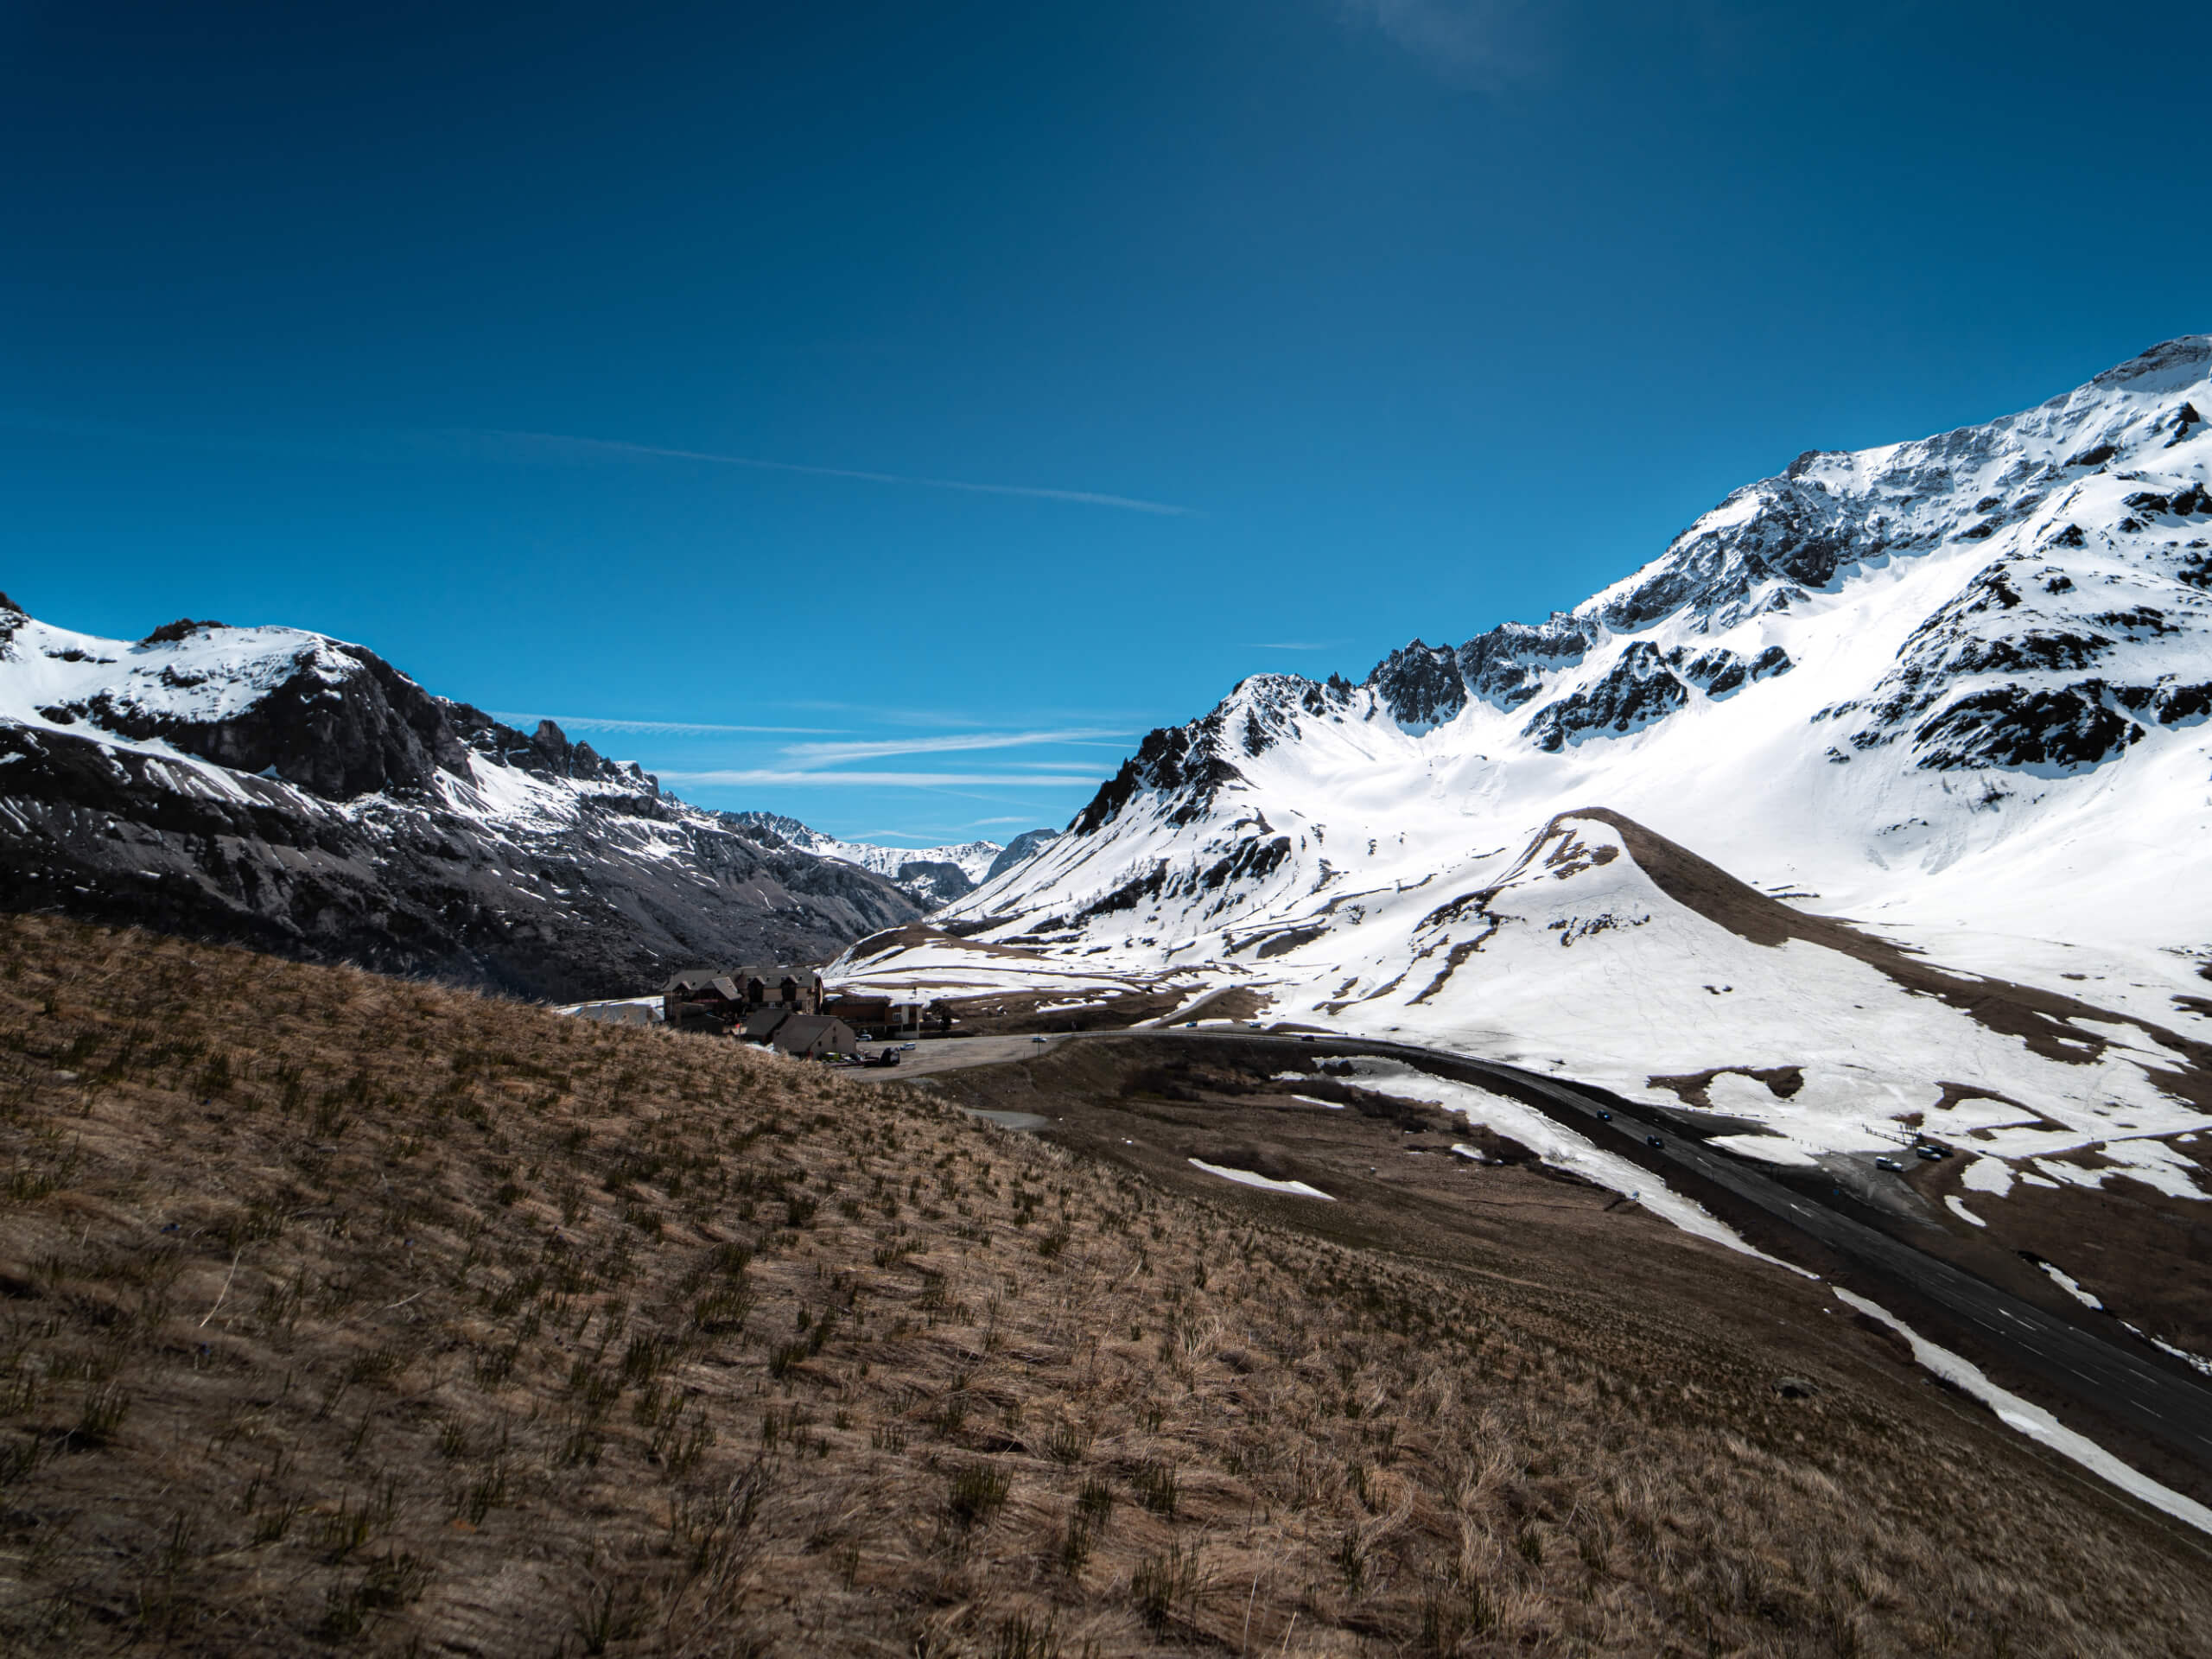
(300, 794)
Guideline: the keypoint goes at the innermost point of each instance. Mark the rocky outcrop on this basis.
(1639, 689)
(1420, 685)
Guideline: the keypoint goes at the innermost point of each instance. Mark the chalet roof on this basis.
(761, 1023)
(687, 978)
(690, 979)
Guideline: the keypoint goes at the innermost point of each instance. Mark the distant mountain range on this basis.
(934, 875)
(293, 792)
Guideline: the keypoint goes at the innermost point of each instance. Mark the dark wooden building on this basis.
(731, 993)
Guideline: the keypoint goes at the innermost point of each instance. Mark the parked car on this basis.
(1653, 1141)
(1933, 1154)
(1890, 1164)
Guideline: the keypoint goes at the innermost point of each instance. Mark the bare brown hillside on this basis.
(346, 1314)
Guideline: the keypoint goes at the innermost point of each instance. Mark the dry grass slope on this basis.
(348, 1314)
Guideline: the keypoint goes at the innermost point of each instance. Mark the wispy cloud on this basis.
(877, 749)
(749, 776)
(653, 728)
(1484, 42)
(551, 441)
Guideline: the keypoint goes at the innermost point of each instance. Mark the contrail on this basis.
(1086, 498)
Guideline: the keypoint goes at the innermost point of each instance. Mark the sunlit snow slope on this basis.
(1954, 690)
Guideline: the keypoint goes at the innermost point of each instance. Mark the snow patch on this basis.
(1246, 1178)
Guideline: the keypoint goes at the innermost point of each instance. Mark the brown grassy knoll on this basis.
(349, 1314)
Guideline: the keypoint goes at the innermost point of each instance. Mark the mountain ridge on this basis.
(296, 793)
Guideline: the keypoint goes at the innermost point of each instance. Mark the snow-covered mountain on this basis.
(1956, 689)
(297, 793)
(934, 875)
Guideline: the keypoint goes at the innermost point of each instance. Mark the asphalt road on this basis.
(2105, 1375)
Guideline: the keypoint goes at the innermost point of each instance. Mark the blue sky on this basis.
(886, 413)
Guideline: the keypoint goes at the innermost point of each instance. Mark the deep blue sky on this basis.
(1419, 314)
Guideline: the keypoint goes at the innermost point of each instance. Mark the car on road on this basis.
(1890, 1164)
(1604, 1116)
(1190, 1024)
(1653, 1141)
(1036, 1039)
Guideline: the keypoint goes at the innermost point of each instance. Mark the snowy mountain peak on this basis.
(1948, 679)
(2060, 554)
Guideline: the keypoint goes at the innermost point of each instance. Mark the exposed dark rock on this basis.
(1249, 861)
(368, 730)
(2035, 648)
(2010, 726)
(1639, 689)
(1805, 462)
(1419, 684)
(1505, 667)
(1127, 896)
(1181, 762)
(2178, 705)
(184, 627)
